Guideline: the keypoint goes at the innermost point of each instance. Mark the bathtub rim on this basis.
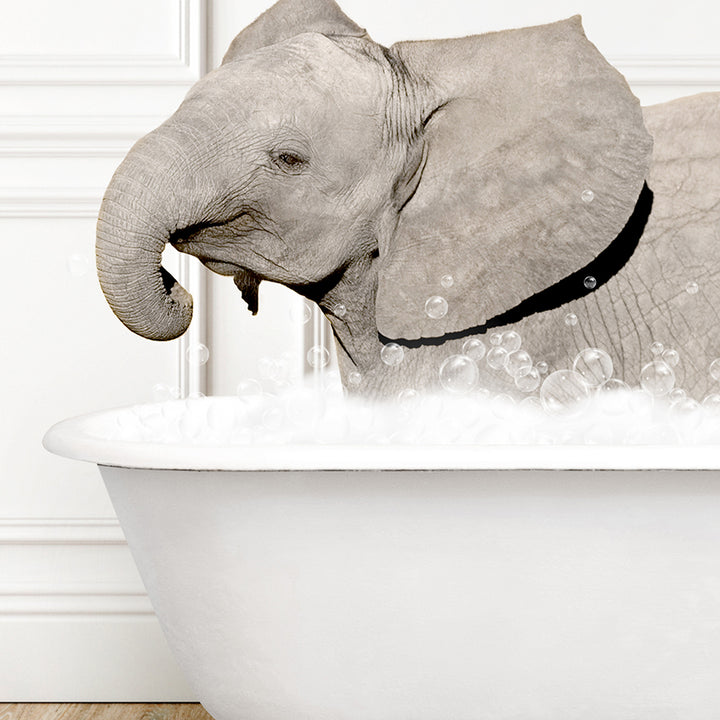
(69, 438)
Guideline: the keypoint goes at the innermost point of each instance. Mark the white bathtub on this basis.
(446, 583)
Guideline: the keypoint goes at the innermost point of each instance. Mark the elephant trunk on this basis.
(138, 214)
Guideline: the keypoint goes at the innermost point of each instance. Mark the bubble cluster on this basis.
(392, 354)
(436, 307)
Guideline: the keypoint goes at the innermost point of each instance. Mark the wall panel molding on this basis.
(58, 202)
(180, 68)
(77, 593)
(61, 531)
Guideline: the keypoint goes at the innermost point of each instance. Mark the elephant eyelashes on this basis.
(288, 161)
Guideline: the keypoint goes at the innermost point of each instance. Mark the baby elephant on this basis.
(430, 193)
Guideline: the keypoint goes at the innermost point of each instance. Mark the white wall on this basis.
(79, 82)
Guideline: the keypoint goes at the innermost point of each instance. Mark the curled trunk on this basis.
(136, 219)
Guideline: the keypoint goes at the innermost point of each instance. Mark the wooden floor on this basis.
(103, 711)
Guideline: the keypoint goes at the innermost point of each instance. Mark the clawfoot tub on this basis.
(337, 583)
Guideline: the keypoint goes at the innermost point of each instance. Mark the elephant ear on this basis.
(535, 155)
(287, 18)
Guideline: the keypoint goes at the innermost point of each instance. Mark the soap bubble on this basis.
(458, 374)
(354, 378)
(474, 348)
(715, 369)
(408, 395)
(613, 396)
(447, 281)
(436, 307)
(301, 314)
(671, 357)
(496, 338)
(590, 282)
(587, 196)
(249, 388)
(563, 392)
(571, 319)
(657, 348)
(318, 356)
(676, 394)
(542, 367)
(518, 363)
(510, 341)
(657, 378)
(392, 354)
(532, 403)
(78, 264)
(339, 310)
(712, 402)
(161, 392)
(685, 410)
(594, 365)
(529, 381)
(274, 369)
(497, 357)
(197, 354)
(692, 287)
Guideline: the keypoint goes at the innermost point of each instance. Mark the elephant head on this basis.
(361, 175)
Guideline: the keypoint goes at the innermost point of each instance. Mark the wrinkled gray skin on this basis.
(360, 175)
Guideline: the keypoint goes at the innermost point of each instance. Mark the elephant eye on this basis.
(288, 161)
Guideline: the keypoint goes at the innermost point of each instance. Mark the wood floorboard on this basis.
(103, 711)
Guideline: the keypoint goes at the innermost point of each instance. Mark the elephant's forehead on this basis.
(306, 68)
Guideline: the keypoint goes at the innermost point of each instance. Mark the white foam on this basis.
(304, 415)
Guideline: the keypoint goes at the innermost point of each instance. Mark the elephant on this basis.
(431, 193)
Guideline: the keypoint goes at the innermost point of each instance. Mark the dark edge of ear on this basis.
(287, 18)
(604, 267)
